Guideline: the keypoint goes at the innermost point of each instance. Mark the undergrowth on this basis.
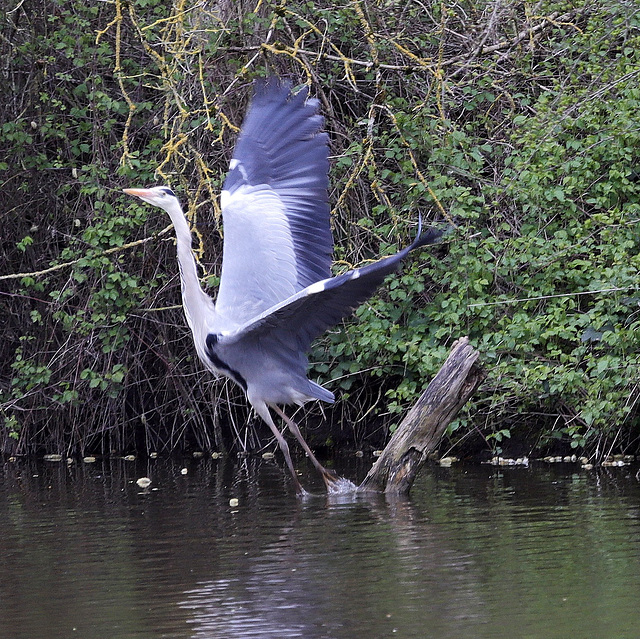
(516, 123)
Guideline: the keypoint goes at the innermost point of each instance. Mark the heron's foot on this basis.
(336, 484)
(300, 491)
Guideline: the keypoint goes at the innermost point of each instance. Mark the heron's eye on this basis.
(166, 192)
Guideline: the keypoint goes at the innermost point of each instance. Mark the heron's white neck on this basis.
(195, 301)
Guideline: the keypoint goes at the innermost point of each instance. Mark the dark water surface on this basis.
(475, 552)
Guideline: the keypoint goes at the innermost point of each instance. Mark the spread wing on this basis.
(276, 218)
(296, 322)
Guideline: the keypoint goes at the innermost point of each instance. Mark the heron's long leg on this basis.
(263, 411)
(329, 478)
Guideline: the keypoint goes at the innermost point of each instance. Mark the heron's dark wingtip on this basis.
(271, 82)
(432, 235)
(276, 87)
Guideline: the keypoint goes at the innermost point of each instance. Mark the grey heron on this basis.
(276, 291)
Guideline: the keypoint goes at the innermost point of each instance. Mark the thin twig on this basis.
(547, 297)
(57, 267)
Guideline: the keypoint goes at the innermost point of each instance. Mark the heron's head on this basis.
(161, 196)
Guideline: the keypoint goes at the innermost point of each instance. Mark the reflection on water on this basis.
(476, 552)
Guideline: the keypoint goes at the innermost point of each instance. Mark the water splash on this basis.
(341, 486)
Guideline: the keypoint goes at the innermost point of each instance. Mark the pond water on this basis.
(548, 551)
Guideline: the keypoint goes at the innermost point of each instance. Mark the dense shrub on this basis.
(518, 129)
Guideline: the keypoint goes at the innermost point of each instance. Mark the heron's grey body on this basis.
(276, 291)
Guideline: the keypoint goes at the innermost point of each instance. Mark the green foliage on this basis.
(461, 118)
(546, 286)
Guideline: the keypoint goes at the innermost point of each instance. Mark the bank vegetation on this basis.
(517, 123)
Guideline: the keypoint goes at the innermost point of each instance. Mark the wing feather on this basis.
(276, 218)
(296, 322)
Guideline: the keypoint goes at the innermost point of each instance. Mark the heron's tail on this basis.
(320, 392)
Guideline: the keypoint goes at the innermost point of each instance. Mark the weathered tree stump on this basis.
(419, 433)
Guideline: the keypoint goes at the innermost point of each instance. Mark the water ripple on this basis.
(229, 551)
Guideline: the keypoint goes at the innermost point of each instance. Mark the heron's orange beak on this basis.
(138, 192)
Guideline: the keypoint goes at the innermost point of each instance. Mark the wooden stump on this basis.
(419, 433)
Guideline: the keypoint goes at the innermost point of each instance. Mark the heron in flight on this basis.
(276, 292)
